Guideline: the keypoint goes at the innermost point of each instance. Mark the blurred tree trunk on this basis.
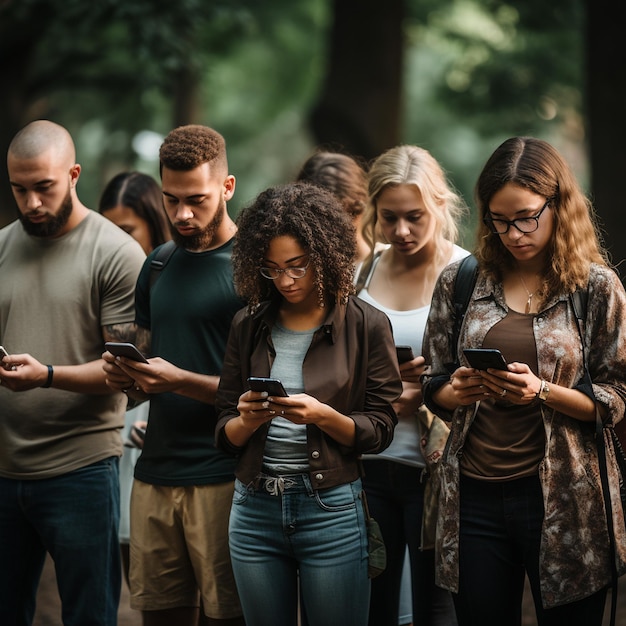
(359, 109)
(606, 102)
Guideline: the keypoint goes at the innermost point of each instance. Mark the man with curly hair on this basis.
(183, 484)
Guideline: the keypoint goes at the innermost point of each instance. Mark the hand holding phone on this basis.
(273, 386)
(128, 350)
(485, 358)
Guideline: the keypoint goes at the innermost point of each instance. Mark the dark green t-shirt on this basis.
(189, 312)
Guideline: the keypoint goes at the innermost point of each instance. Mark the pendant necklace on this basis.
(530, 295)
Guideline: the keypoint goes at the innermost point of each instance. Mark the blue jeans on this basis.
(395, 494)
(75, 518)
(296, 531)
(499, 543)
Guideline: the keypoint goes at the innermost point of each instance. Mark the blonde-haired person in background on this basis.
(414, 209)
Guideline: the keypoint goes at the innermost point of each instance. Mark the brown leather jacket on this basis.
(351, 365)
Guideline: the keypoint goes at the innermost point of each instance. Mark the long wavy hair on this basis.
(536, 165)
(412, 165)
(314, 217)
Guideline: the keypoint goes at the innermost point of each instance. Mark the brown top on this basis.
(506, 441)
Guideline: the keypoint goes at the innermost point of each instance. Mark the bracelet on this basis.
(48, 382)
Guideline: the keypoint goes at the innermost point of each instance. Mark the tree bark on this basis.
(359, 109)
(606, 107)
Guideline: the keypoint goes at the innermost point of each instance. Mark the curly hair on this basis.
(412, 165)
(311, 215)
(188, 147)
(339, 173)
(535, 165)
(141, 193)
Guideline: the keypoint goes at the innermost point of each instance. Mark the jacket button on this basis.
(319, 477)
(315, 454)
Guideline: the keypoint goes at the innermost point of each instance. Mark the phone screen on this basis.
(125, 349)
(485, 358)
(273, 386)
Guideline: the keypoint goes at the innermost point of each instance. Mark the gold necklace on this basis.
(530, 295)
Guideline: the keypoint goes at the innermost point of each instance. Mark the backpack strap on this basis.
(160, 260)
(365, 271)
(463, 288)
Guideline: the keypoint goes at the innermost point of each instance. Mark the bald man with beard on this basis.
(67, 286)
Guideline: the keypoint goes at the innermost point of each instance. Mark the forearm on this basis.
(86, 378)
(572, 403)
(338, 426)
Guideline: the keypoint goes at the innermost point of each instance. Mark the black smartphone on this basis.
(140, 432)
(405, 353)
(485, 358)
(273, 386)
(125, 349)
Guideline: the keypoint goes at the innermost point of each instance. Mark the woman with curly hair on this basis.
(520, 481)
(297, 510)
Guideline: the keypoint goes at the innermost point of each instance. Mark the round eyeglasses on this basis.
(523, 224)
(272, 273)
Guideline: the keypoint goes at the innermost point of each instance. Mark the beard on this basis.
(203, 239)
(51, 227)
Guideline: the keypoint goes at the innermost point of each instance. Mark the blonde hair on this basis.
(412, 165)
(535, 165)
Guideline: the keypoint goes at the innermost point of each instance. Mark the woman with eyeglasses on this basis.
(297, 509)
(520, 484)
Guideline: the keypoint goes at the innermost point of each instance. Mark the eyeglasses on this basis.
(523, 224)
(272, 273)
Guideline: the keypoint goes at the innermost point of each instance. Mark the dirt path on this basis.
(49, 605)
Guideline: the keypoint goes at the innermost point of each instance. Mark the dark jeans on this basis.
(499, 543)
(395, 496)
(75, 518)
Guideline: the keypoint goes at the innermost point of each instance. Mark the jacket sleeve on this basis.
(231, 385)
(375, 424)
(605, 336)
(437, 346)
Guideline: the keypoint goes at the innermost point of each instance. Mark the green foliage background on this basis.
(119, 71)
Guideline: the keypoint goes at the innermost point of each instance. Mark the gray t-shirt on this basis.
(55, 297)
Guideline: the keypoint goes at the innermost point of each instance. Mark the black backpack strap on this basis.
(463, 288)
(160, 260)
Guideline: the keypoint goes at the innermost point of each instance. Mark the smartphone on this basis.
(4, 353)
(405, 353)
(140, 432)
(485, 358)
(273, 386)
(125, 349)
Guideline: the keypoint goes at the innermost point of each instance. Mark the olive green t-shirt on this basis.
(55, 297)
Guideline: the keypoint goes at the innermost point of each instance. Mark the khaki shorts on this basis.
(179, 549)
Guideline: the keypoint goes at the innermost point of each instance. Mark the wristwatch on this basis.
(544, 391)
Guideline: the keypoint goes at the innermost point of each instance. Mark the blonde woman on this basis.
(414, 209)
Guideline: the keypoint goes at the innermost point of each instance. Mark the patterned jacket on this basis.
(574, 553)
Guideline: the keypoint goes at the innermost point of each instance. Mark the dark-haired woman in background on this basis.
(134, 202)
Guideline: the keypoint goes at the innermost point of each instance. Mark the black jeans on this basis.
(395, 496)
(499, 543)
